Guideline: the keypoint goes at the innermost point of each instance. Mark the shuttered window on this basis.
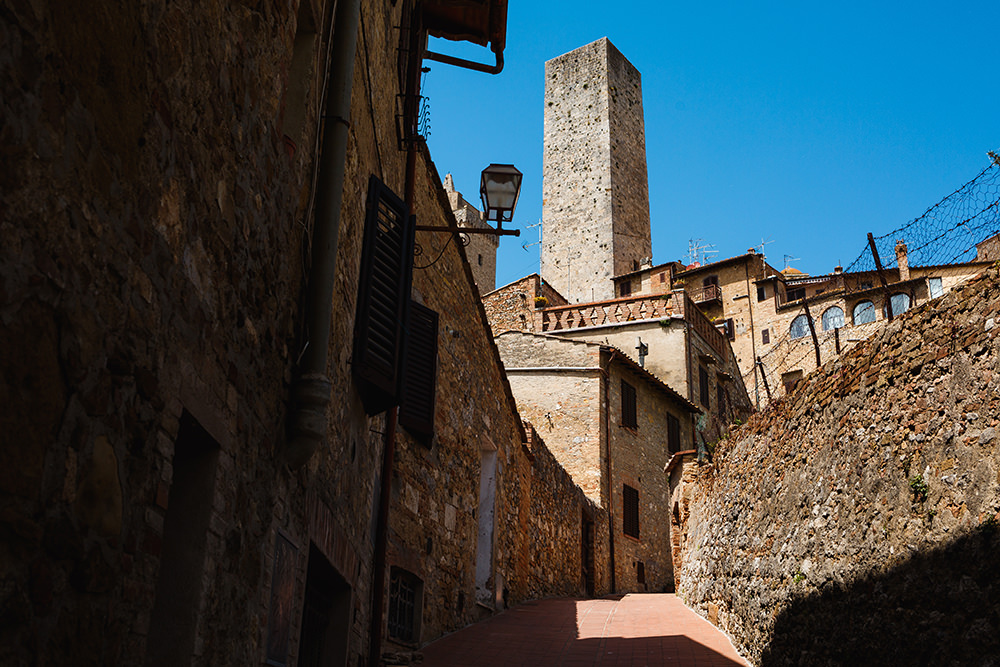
(630, 511)
(383, 298)
(673, 434)
(416, 409)
(629, 416)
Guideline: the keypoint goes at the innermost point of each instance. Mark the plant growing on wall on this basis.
(919, 488)
(541, 302)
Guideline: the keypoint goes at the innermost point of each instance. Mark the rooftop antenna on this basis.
(760, 246)
(789, 258)
(699, 250)
(539, 241)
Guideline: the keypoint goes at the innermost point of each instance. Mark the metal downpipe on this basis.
(311, 390)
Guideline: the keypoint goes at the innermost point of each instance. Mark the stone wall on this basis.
(513, 307)
(855, 521)
(595, 202)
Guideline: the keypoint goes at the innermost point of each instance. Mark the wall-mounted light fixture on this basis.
(499, 189)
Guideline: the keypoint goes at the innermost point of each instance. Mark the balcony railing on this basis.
(613, 311)
(706, 293)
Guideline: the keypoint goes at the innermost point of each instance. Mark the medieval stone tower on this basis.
(595, 208)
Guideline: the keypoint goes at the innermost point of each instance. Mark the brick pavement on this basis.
(635, 629)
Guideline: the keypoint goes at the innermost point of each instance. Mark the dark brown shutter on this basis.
(383, 298)
(630, 513)
(416, 410)
(703, 386)
(629, 416)
(673, 434)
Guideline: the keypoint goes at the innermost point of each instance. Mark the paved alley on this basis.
(635, 629)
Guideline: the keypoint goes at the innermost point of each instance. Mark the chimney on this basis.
(902, 261)
(838, 269)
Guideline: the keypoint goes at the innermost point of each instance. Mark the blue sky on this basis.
(804, 124)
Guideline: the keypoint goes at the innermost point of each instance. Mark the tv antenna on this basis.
(699, 251)
(539, 241)
(789, 258)
(760, 246)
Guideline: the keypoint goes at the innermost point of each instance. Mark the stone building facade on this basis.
(613, 426)
(162, 174)
(865, 503)
(762, 310)
(595, 197)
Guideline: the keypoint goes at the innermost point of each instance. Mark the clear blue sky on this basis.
(806, 124)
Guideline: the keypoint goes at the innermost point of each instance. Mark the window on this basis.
(416, 407)
(625, 288)
(663, 276)
(761, 292)
(864, 312)
(405, 592)
(673, 434)
(795, 294)
(629, 416)
(480, 260)
(900, 304)
(790, 379)
(720, 400)
(800, 327)
(935, 287)
(729, 328)
(383, 298)
(711, 280)
(703, 386)
(640, 573)
(630, 511)
(833, 318)
(765, 336)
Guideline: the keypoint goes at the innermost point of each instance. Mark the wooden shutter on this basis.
(630, 513)
(673, 434)
(416, 409)
(629, 417)
(383, 298)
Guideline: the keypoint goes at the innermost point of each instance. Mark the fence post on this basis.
(763, 377)
(881, 275)
(812, 330)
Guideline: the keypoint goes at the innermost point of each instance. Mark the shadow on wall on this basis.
(937, 607)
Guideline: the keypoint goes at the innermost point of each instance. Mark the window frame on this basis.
(630, 511)
(629, 406)
(870, 308)
(823, 318)
(674, 444)
(800, 323)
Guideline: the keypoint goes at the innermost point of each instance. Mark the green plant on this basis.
(919, 488)
(541, 302)
(799, 577)
(931, 513)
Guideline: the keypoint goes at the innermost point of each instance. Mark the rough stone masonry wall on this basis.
(577, 250)
(153, 222)
(855, 521)
(629, 183)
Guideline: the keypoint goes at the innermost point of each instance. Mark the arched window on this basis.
(900, 303)
(864, 312)
(833, 318)
(800, 327)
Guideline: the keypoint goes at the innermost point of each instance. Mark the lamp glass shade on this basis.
(500, 188)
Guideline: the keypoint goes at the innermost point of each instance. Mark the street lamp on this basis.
(501, 185)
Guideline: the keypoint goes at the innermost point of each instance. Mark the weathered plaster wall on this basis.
(855, 521)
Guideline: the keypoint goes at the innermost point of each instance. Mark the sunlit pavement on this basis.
(636, 629)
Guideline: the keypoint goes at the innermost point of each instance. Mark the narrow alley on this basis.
(634, 629)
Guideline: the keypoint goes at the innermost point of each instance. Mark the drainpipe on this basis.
(606, 418)
(753, 334)
(311, 391)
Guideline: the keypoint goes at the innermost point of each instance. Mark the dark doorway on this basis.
(326, 615)
(587, 554)
(174, 619)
